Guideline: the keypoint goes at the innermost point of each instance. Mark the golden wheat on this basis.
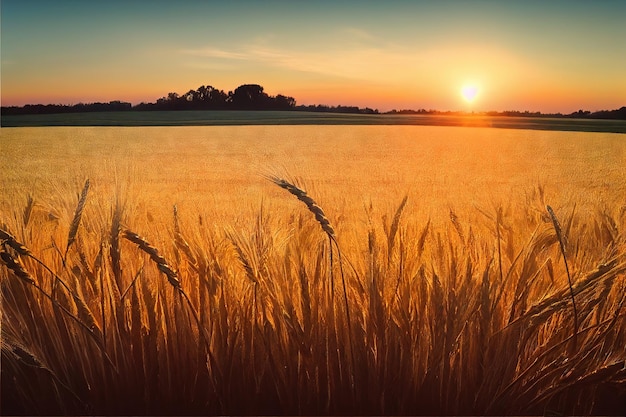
(159, 260)
(71, 237)
(16, 266)
(452, 317)
(561, 238)
(313, 207)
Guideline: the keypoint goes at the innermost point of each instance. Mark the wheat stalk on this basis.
(91, 327)
(395, 223)
(561, 238)
(172, 277)
(114, 244)
(245, 261)
(457, 225)
(18, 269)
(321, 218)
(8, 239)
(313, 207)
(159, 260)
(28, 210)
(26, 357)
(71, 237)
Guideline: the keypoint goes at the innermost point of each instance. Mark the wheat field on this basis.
(312, 270)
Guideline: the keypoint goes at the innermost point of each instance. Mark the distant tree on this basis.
(284, 103)
(580, 113)
(211, 98)
(249, 97)
(61, 108)
(610, 114)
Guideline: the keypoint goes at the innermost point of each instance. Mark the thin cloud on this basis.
(357, 63)
(211, 52)
(359, 34)
(442, 66)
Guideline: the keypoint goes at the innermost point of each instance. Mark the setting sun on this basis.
(469, 92)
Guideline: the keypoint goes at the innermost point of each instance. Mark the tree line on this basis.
(244, 97)
(580, 114)
(253, 97)
(62, 108)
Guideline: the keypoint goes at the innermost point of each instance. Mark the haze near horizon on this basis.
(481, 56)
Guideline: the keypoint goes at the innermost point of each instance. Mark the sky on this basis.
(548, 56)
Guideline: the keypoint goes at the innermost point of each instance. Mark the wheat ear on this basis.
(114, 244)
(18, 269)
(8, 239)
(170, 273)
(28, 210)
(71, 237)
(560, 237)
(91, 326)
(26, 357)
(160, 261)
(394, 228)
(321, 218)
(313, 207)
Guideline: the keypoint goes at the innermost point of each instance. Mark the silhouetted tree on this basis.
(253, 97)
(61, 108)
(284, 103)
(210, 98)
(249, 97)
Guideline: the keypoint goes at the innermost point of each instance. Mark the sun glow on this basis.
(469, 92)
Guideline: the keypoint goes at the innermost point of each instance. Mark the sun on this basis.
(469, 92)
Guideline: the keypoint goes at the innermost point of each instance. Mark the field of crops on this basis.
(278, 118)
(312, 270)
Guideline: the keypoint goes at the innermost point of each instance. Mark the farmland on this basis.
(312, 270)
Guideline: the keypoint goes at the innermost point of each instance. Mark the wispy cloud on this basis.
(348, 52)
(358, 62)
(358, 56)
(359, 34)
(211, 52)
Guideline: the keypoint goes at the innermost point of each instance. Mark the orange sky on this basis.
(550, 57)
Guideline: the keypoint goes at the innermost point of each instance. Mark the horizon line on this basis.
(330, 106)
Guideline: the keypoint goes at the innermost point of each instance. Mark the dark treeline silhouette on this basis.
(60, 108)
(336, 109)
(253, 97)
(580, 114)
(602, 114)
(245, 97)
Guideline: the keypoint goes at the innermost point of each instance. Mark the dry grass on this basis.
(468, 312)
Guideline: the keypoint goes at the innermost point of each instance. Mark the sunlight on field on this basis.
(219, 170)
(422, 273)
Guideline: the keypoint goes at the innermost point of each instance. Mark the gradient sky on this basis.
(548, 56)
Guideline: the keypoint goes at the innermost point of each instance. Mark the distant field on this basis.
(437, 165)
(422, 274)
(218, 118)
